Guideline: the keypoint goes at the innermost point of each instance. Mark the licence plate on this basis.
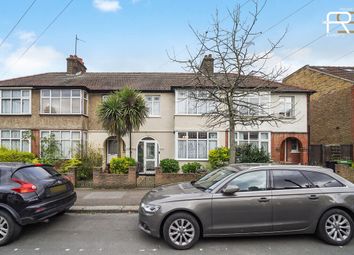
(58, 189)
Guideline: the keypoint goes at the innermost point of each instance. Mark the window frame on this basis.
(287, 169)
(195, 139)
(188, 100)
(259, 96)
(84, 97)
(82, 143)
(21, 139)
(314, 186)
(29, 98)
(282, 107)
(259, 140)
(152, 105)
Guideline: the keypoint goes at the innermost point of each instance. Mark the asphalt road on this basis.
(118, 234)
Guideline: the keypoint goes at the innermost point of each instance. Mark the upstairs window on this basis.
(287, 107)
(254, 104)
(15, 101)
(153, 104)
(64, 101)
(192, 102)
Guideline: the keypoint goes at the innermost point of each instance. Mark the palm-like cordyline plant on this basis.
(134, 111)
(110, 114)
(122, 112)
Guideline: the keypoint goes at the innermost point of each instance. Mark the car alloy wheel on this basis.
(181, 232)
(4, 228)
(338, 227)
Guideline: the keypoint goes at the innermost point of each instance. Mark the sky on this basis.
(135, 35)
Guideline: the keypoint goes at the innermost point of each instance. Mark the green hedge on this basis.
(169, 165)
(219, 157)
(16, 156)
(121, 165)
(192, 167)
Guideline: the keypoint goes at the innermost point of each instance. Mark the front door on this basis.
(112, 149)
(148, 155)
(248, 210)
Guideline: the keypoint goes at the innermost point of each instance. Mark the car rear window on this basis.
(321, 180)
(34, 173)
(289, 179)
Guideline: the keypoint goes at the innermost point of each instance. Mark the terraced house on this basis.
(65, 103)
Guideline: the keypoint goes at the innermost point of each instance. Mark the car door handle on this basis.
(313, 197)
(263, 199)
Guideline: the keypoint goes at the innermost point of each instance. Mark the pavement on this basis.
(108, 234)
(107, 201)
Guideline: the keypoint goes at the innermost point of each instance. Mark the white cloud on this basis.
(38, 59)
(107, 5)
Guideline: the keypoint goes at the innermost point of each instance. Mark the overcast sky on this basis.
(134, 35)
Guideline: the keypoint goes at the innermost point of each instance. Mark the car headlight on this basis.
(150, 208)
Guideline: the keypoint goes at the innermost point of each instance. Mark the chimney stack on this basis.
(207, 66)
(75, 65)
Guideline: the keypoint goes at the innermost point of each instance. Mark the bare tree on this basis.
(238, 93)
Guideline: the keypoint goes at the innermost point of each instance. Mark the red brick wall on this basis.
(35, 142)
(277, 150)
(169, 178)
(115, 181)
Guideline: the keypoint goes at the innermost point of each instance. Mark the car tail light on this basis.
(25, 187)
(38, 164)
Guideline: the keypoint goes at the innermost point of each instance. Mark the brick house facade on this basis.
(64, 104)
(331, 115)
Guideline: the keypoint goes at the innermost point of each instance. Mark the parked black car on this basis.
(29, 194)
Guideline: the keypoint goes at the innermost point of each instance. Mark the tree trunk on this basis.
(130, 143)
(232, 143)
(119, 152)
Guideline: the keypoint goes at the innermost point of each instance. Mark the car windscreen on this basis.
(212, 178)
(34, 173)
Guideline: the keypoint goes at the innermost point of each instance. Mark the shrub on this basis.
(71, 163)
(7, 155)
(249, 153)
(121, 165)
(89, 159)
(50, 151)
(219, 157)
(169, 165)
(192, 167)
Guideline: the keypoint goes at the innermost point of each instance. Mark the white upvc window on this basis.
(258, 139)
(287, 106)
(69, 141)
(153, 104)
(64, 101)
(15, 101)
(13, 139)
(195, 145)
(254, 104)
(190, 102)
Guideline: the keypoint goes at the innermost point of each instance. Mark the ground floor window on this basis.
(19, 140)
(258, 139)
(69, 142)
(195, 145)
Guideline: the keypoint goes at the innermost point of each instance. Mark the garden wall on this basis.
(169, 178)
(345, 171)
(115, 181)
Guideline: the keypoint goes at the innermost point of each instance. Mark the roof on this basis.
(341, 72)
(101, 81)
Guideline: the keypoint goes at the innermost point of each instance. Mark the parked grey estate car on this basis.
(257, 200)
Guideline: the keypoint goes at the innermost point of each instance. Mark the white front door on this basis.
(150, 156)
(112, 149)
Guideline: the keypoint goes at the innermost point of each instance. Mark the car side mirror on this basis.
(230, 189)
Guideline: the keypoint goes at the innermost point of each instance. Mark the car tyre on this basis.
(9, 229)
(181, 231)
(335, 227)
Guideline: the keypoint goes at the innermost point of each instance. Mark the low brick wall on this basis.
(115, 181)
(345, 171)
(71, 175)
(169, 178)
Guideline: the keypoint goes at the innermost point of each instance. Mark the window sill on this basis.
(294, 151)
(15, 114)
(287, 118)
(190, 159)
(154, 116)
(63, 114)
(185, 114)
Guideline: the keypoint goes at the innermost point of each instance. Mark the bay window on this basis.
(195, 145)
(69, 142)
(15, 101)
(261, 140)
(64, 101)
(19, 140)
